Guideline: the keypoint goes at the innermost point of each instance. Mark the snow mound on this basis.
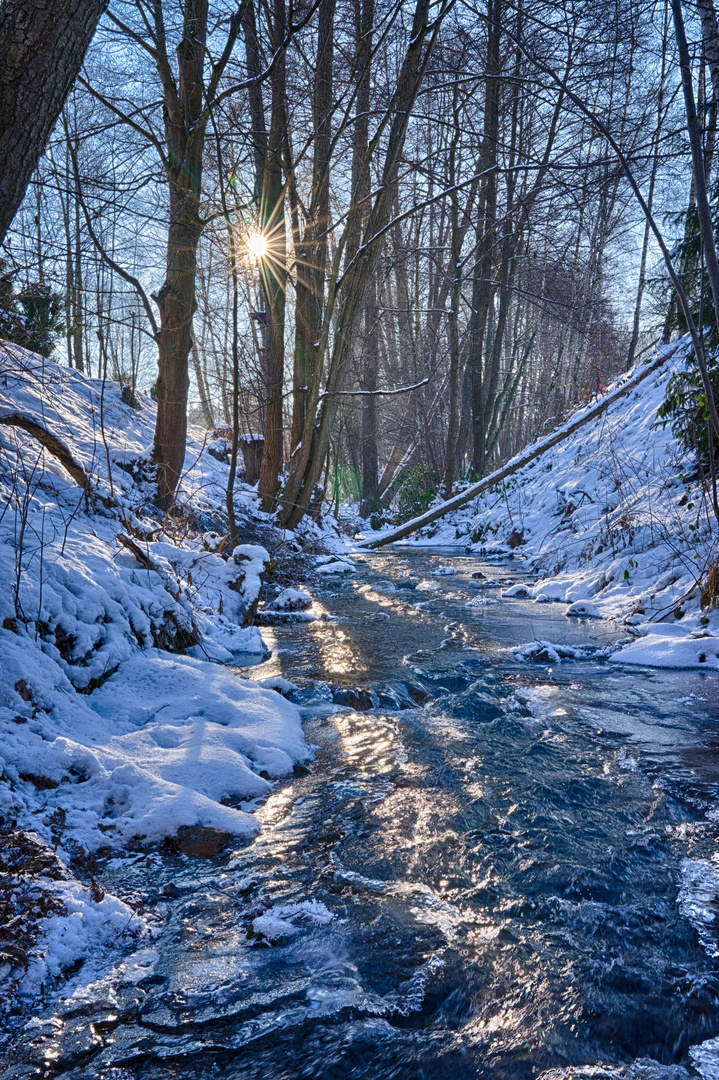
(549, 652)
(673, 647)
(583, 609)
(520, 591)
(291, 600)
(445, 571)
(336, 566)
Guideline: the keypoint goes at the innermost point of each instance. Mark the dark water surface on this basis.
(515, 875)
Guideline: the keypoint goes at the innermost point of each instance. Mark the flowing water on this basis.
(490, 869)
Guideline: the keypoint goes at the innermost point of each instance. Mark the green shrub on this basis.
(416, 492)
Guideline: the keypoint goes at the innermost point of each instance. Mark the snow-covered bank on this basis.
(117, 724)
(615, 523)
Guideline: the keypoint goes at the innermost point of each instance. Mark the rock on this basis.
(520, 591)
(291, 600)
(583, 609)
(360, 700)
(199, 840)
(642, 1069)
(478, 574)
(42, 783)
(515, 539)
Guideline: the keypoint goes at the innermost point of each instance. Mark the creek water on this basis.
(491, 868)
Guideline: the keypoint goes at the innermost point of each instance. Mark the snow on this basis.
(673, 647)
(520, 591)
(548, 652)
(583, 609)
(335, 566)
(118, 724)
(291, 600)
(88, 926)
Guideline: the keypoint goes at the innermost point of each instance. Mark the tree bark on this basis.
(274, 270)
(44, 44)
(483, 285)
(370, 463)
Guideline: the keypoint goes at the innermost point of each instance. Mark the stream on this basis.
(490, 868)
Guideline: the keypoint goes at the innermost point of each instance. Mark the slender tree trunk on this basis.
(202, 388)
(77, 289)
(370, 458)
(274, 271)
(482, 290)
(311, 264)
(710, 39)
(450, 460)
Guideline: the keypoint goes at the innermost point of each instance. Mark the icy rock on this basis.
(279, 922)
(520, 591)
(705, 1058)
(198, 840)
(583, 609)
(358, 699)
(272, 928)
(291, 600)
(282, 686)
(541, 598)
(641, 1069)
(337, 566)
(445, 571)
(549, 652)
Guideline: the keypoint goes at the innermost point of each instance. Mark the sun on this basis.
(258, 246)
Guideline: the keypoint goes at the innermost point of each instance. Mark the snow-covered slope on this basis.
(615, 523)
(116, 726)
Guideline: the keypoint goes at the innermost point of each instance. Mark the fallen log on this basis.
(524, 458)
(52, 444)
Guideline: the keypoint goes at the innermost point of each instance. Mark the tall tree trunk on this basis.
(274, 270)
(44, 44)
(185, 118)
(450, 461)
(710, 39)
(176, 301)
(370, 457)
(482, 290)
(311, 263)
(205, 406)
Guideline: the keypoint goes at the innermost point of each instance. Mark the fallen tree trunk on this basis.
(520, 460)
(52, 444)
